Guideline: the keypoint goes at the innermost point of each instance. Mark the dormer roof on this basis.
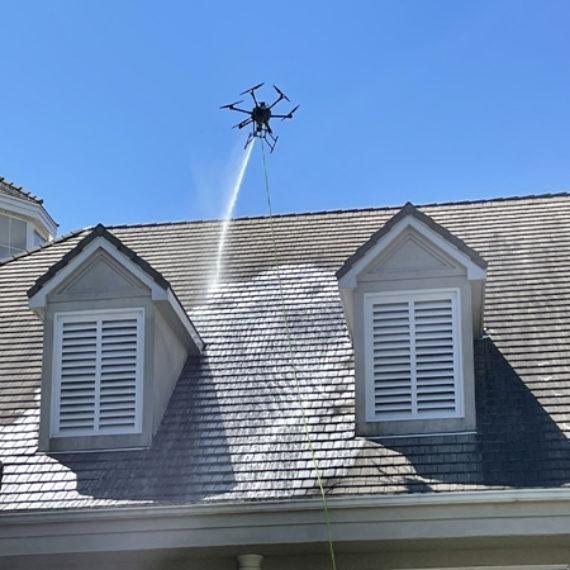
(408, 216)
(101, 238)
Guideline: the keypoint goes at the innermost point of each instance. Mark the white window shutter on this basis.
(119, 352)
(412, 360)
(435, 356)
(392, 358)
(98, 373)
(77, 382)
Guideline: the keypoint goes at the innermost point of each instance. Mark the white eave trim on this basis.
(29, 210)
(526, 513)
(185, 320)
(474, 271)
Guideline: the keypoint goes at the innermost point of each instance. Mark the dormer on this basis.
(413, 299)
(24, 222)
(115, 340)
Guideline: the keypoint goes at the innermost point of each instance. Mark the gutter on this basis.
(364, 519)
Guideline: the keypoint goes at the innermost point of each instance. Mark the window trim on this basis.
(9, 245)
(62, 317)
(369, 299)
(34, 236)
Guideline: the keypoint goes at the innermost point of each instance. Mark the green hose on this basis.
(293, 365)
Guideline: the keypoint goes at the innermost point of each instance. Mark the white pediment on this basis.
(100, 275)
(411, 254)
(414, 247)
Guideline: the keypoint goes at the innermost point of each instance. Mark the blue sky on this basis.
(110, 109)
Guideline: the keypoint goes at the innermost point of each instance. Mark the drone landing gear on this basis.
(266, 136)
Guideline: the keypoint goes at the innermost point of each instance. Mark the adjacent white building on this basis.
(24, 222)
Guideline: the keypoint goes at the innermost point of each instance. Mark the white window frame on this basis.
(31, 232)
(369, 300)
(9, 245)
(77, 316)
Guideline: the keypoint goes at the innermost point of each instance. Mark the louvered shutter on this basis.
(78, 379)
(392, 358)
(413, 360)
(98, 373)
(119, 351)
(435, 357)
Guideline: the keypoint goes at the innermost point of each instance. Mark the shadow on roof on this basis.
(186, 462)
(517, 443)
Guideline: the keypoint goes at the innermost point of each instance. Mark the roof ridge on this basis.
(499, 199)
(341, 211)
(21, 190)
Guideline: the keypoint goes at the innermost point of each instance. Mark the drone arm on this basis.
(287, 116)
(240, 110)
(276, 101)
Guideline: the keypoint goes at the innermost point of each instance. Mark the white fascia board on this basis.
(474, 272)
(30, 210)
(39, 300)
(185, 320)
(527, 513)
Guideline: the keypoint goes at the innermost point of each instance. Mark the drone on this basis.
(259, 116)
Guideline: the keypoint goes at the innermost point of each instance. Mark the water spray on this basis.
(228, 216)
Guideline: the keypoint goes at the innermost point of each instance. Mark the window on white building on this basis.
(13, 235)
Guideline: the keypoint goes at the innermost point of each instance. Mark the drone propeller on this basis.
(281, 94)
(251, 90)
(230, 105)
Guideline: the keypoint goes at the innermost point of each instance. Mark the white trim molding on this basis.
(393, 520)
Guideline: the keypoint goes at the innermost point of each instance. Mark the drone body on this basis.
(259, 116)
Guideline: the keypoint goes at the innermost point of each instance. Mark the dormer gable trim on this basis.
(410, 216)
(101, 239)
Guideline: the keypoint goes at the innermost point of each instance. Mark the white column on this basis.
(249, 561)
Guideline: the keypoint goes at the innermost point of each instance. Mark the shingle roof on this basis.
(11, 189)
(232, 430)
